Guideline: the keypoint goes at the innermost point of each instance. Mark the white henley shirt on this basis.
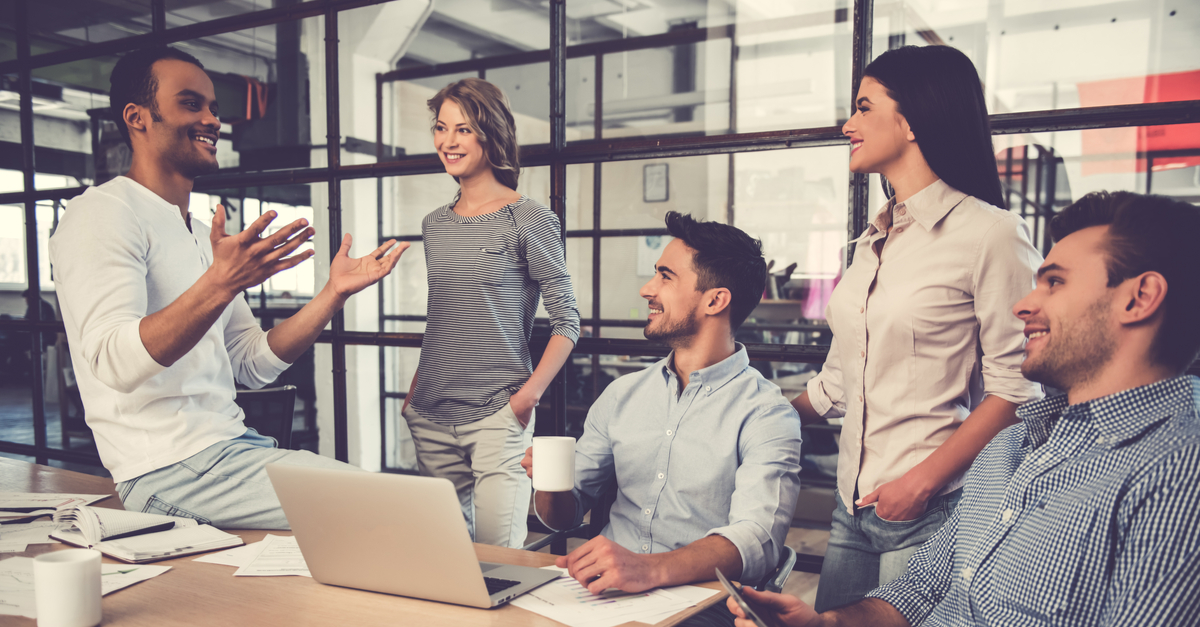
(120, 253)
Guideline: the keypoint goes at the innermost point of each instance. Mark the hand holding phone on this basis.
(753, 611)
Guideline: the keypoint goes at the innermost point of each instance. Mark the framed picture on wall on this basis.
(655, 183)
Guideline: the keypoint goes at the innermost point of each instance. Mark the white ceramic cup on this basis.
(66, 585)
(553, 463)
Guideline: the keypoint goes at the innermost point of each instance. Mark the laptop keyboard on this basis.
(495, 585)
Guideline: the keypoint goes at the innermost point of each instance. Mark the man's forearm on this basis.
(870, 612)
(293, 336)
(557, 509)
(697, 561)
(168, 334)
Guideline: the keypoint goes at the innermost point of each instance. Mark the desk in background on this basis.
(207, 594)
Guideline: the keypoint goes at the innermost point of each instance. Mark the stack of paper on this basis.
(275, 556)
(25, 506)
(567, 601)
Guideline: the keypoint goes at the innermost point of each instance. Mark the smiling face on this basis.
(1068, 316)
(879, 134)
(182, 129)
(457, 145)
(673, 298)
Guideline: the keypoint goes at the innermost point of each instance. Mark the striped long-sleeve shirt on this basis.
(1087, 514)
(486, 274)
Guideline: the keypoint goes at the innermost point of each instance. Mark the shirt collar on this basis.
(927, 207)
(1118, 417)
(714, 376)
(158, 201)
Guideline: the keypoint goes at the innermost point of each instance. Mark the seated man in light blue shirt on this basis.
(705, 451)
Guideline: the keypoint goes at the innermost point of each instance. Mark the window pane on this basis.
(379, 38)
(399, 366)
(638, 194)
(782, 65)
(70, 23)
(185, 12)
(1036, 56)
(1044, 172)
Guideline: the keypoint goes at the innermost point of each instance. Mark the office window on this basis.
(728, 111)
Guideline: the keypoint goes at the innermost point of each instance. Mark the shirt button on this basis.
(660, 475)
(862, 309)
(1006, 516)
(901, 211)
(708, 388)
(645, 547)
(899, 229)
(862, 353)
(647, 511)
(860, 398)
(968, 573)
(668, 432)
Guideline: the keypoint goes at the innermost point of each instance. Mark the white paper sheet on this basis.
(13, 547)
(567, 601)
(279, 557)
(29, 533)
(236, 557)
(16, 582)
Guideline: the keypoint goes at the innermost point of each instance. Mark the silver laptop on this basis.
(393, 533)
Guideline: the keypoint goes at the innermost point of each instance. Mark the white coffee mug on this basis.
(66, 585)
(553, 463)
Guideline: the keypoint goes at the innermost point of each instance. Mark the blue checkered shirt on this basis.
(1086, 514)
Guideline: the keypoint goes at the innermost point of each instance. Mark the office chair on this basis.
(599, 519)
(270, 411)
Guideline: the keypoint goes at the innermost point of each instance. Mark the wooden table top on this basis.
(193, 593)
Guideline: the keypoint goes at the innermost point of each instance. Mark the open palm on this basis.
(349, 276)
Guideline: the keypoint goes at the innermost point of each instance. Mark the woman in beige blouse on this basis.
(926, 355)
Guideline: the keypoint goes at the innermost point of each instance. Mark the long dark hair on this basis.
(937, 89)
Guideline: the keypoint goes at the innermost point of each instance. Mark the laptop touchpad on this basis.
(486, 566)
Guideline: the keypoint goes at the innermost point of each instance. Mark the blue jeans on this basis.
(866, 551)
(225, 485)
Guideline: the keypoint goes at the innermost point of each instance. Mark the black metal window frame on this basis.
(557, 155)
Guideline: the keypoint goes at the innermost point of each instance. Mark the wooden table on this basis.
(194, 593)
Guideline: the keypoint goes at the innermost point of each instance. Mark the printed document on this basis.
(16, 582)
(279, 556)
(567, 601)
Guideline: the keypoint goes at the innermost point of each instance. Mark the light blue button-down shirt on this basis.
(722, 457)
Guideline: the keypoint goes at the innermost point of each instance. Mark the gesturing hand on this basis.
(349, 276)
(601, 564)
(244, 260)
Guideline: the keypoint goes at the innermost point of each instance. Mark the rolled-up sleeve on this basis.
(766, 486)
(544, 252)
(100, 271)
(825, 391)
(1005, 271)
(927, 579)
(254, 363)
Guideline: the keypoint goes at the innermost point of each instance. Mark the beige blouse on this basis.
(923, 330)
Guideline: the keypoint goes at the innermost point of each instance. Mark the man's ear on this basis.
(134, 117)
(1142, 297)
(717, 300)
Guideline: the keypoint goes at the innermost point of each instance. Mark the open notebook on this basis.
(136, 536)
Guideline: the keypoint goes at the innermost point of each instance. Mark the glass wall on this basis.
(728, 110)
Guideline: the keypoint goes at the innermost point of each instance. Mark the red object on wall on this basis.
(1128, 146)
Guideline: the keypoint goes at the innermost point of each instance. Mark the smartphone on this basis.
(735, 591)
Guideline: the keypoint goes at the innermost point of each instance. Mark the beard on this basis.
(674, 333)
(186, 160)
(1076, 352)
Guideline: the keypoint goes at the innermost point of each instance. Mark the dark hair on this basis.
(725, 257)
(133, 81)
(489, 116)
(1148, 233)
(937, 89)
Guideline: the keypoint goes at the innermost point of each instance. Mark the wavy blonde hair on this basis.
(490, 118)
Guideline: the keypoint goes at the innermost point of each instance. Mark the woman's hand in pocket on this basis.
(522, 404)
(901, 500)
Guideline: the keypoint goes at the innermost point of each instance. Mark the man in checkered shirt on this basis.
(1088, 511)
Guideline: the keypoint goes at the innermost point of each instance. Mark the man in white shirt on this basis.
(152, 304)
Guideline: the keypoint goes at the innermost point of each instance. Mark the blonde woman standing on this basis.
(491, 255)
